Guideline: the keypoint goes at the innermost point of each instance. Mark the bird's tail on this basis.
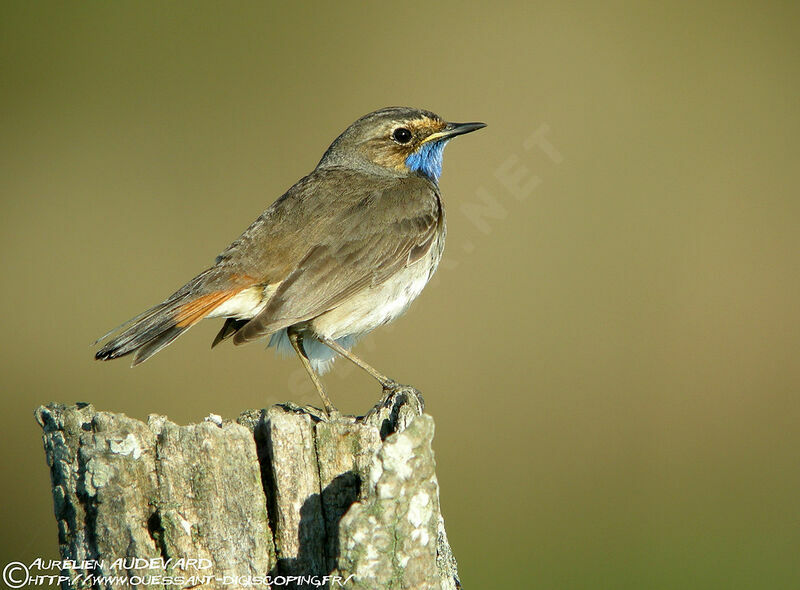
(149, 332)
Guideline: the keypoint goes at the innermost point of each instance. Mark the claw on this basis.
(390, 384)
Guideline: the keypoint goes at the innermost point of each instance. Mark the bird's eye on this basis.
(401, 135)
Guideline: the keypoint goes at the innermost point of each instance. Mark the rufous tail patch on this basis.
(194, 311)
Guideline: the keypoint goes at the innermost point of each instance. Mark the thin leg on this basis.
(297, 343)
(383, 379)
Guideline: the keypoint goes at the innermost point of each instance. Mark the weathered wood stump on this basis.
(276, 498)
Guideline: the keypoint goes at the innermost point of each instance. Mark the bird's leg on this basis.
(335, 346)
(296, 338)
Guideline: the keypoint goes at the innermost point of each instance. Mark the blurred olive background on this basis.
(611, 361)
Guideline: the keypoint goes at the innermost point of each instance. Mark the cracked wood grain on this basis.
(274, 493)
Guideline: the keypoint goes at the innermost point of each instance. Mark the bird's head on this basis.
(396, 141)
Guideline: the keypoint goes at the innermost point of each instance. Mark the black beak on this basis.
(454, 129)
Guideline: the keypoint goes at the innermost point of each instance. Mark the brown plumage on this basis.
(342, 251)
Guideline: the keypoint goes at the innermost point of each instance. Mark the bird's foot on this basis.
(398, 400)
(318, 414)
(392, 388)
(390, 385)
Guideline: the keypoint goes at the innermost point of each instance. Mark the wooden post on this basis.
(274, 499)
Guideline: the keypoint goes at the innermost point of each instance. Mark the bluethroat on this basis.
(343, 251)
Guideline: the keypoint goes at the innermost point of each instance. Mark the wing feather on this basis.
(360, 247)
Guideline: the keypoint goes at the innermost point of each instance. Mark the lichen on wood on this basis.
(274, 494)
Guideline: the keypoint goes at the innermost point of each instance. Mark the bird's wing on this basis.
(359, 238)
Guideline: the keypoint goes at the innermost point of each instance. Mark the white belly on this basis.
(375, 306)
(378, 305)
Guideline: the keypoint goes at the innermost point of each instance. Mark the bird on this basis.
(345, 250)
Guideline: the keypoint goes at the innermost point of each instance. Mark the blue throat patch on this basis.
(428, 159)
